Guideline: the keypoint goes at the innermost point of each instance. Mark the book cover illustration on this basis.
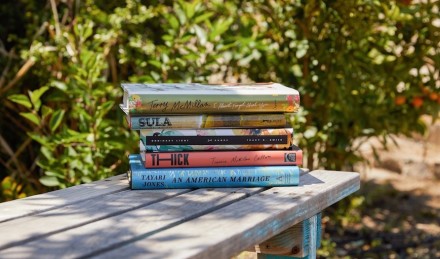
(264, 120)
(216, 139)
(222, 158)
(197, 98)
(142, 178)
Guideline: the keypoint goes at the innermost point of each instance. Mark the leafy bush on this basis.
(363, 68)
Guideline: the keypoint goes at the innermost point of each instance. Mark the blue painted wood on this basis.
(310, 241)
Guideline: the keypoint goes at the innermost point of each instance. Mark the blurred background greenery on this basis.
(364, 69)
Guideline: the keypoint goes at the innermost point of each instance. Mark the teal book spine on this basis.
(142, 178)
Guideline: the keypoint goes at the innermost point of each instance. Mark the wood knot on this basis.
(295, 250)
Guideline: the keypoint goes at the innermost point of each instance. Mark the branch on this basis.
(6, 70)
(55, 17)
(23, 70)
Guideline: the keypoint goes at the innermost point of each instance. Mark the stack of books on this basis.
(212, 135)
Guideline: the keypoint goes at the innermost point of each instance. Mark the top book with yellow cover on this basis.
(195, 98)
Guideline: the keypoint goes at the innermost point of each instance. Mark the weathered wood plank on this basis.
(313, 244)
(28, 228)
(56, 199)
(294, 241)
(227, 231)
(104, 234)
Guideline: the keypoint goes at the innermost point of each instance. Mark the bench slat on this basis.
(43, 202)
(45, 223)
(114, 231)
(227, 231)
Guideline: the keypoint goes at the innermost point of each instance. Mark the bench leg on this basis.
(299, 241)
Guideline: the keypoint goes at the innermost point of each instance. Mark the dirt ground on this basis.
(396, 213)
(399, 216)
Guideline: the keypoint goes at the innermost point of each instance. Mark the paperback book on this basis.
(142, 178)
(222, 158)
(261, 120)
(216, 139)
(194, 98)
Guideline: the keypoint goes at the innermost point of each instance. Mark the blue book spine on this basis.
(142, 178)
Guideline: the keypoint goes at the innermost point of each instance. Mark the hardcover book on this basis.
(193, 98)
(222, 158)
(216, 139)
(142, 178)
(261, 120)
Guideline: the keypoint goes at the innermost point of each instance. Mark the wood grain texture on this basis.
(227, 231)
(29, 228)
(293, 241)
(105, 220)
(111, 232)
(56, 199)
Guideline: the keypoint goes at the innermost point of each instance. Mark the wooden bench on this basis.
(105, 219)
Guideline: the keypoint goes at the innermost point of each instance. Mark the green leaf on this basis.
(40, 139)
(105, 108)
(86, 179)
(155, 63)
(189, 8)
(53, 174)
(203, 17)
(47, 153)
(60, 85)
(173, 22)
(220, 27)
(21, 99)
(36, 95)
(56, 119)
(46, 111)
(181, 15)
(49, 181)
(32, 117)
(201, 34)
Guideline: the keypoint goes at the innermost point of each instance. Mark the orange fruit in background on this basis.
(433, 96)
(426, 90)
(417, 102)
(399, 100)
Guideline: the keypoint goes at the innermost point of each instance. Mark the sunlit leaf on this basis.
(39, 138)
(205, 16)
(36, 95)
(49, 181)
(32, 117)
(56, 119)
(21, 99)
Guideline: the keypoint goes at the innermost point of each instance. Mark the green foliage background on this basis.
(364, 69)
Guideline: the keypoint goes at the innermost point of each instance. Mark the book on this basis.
(156, 140)
(261, 120)
(141, 178)
(194, 98)
(222, 158)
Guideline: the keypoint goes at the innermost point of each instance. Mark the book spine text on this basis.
(216, 139)
(211, 177)
(207, 121)
(210, 104)
(222, 158)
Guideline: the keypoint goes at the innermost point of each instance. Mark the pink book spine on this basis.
(223, 158)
